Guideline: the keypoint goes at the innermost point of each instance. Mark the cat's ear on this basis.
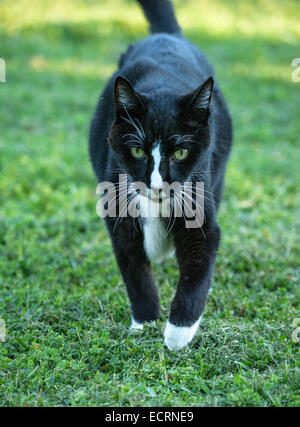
(196, 103)
(126, 98)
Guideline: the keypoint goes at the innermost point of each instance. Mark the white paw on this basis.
(135, 326)
(177, 337)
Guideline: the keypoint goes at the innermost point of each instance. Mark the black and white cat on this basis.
(162, 119)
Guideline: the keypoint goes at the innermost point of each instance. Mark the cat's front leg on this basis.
(196, 252)
(127, 240)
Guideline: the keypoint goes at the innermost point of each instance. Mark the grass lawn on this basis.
(61, 294)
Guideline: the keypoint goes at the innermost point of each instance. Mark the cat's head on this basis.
(161, 137)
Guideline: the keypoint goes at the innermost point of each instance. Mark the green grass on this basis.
(62, 296)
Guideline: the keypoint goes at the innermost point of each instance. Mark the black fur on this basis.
(164, 84)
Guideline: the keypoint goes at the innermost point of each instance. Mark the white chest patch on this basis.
(155, 239)
(157, 244)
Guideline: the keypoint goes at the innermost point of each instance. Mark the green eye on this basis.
(138, 153)
(180, 154)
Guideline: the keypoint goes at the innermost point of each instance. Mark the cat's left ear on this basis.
(126, 98)
(196, 103)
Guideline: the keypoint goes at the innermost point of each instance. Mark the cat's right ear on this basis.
(196, 103)
(126, 98)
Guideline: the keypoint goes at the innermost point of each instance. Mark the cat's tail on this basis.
(160, 14)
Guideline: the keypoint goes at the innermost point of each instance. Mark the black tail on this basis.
(161, 16)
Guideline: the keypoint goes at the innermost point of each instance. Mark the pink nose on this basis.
(156, 181)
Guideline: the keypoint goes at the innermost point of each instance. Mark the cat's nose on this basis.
(156, 186)
(156, 181)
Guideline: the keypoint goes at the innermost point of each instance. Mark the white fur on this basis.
(135, 325)
(153, 231)
(157, 244)
(177, 337)
(156, 179)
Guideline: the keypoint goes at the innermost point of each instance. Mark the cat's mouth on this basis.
(157, 196)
